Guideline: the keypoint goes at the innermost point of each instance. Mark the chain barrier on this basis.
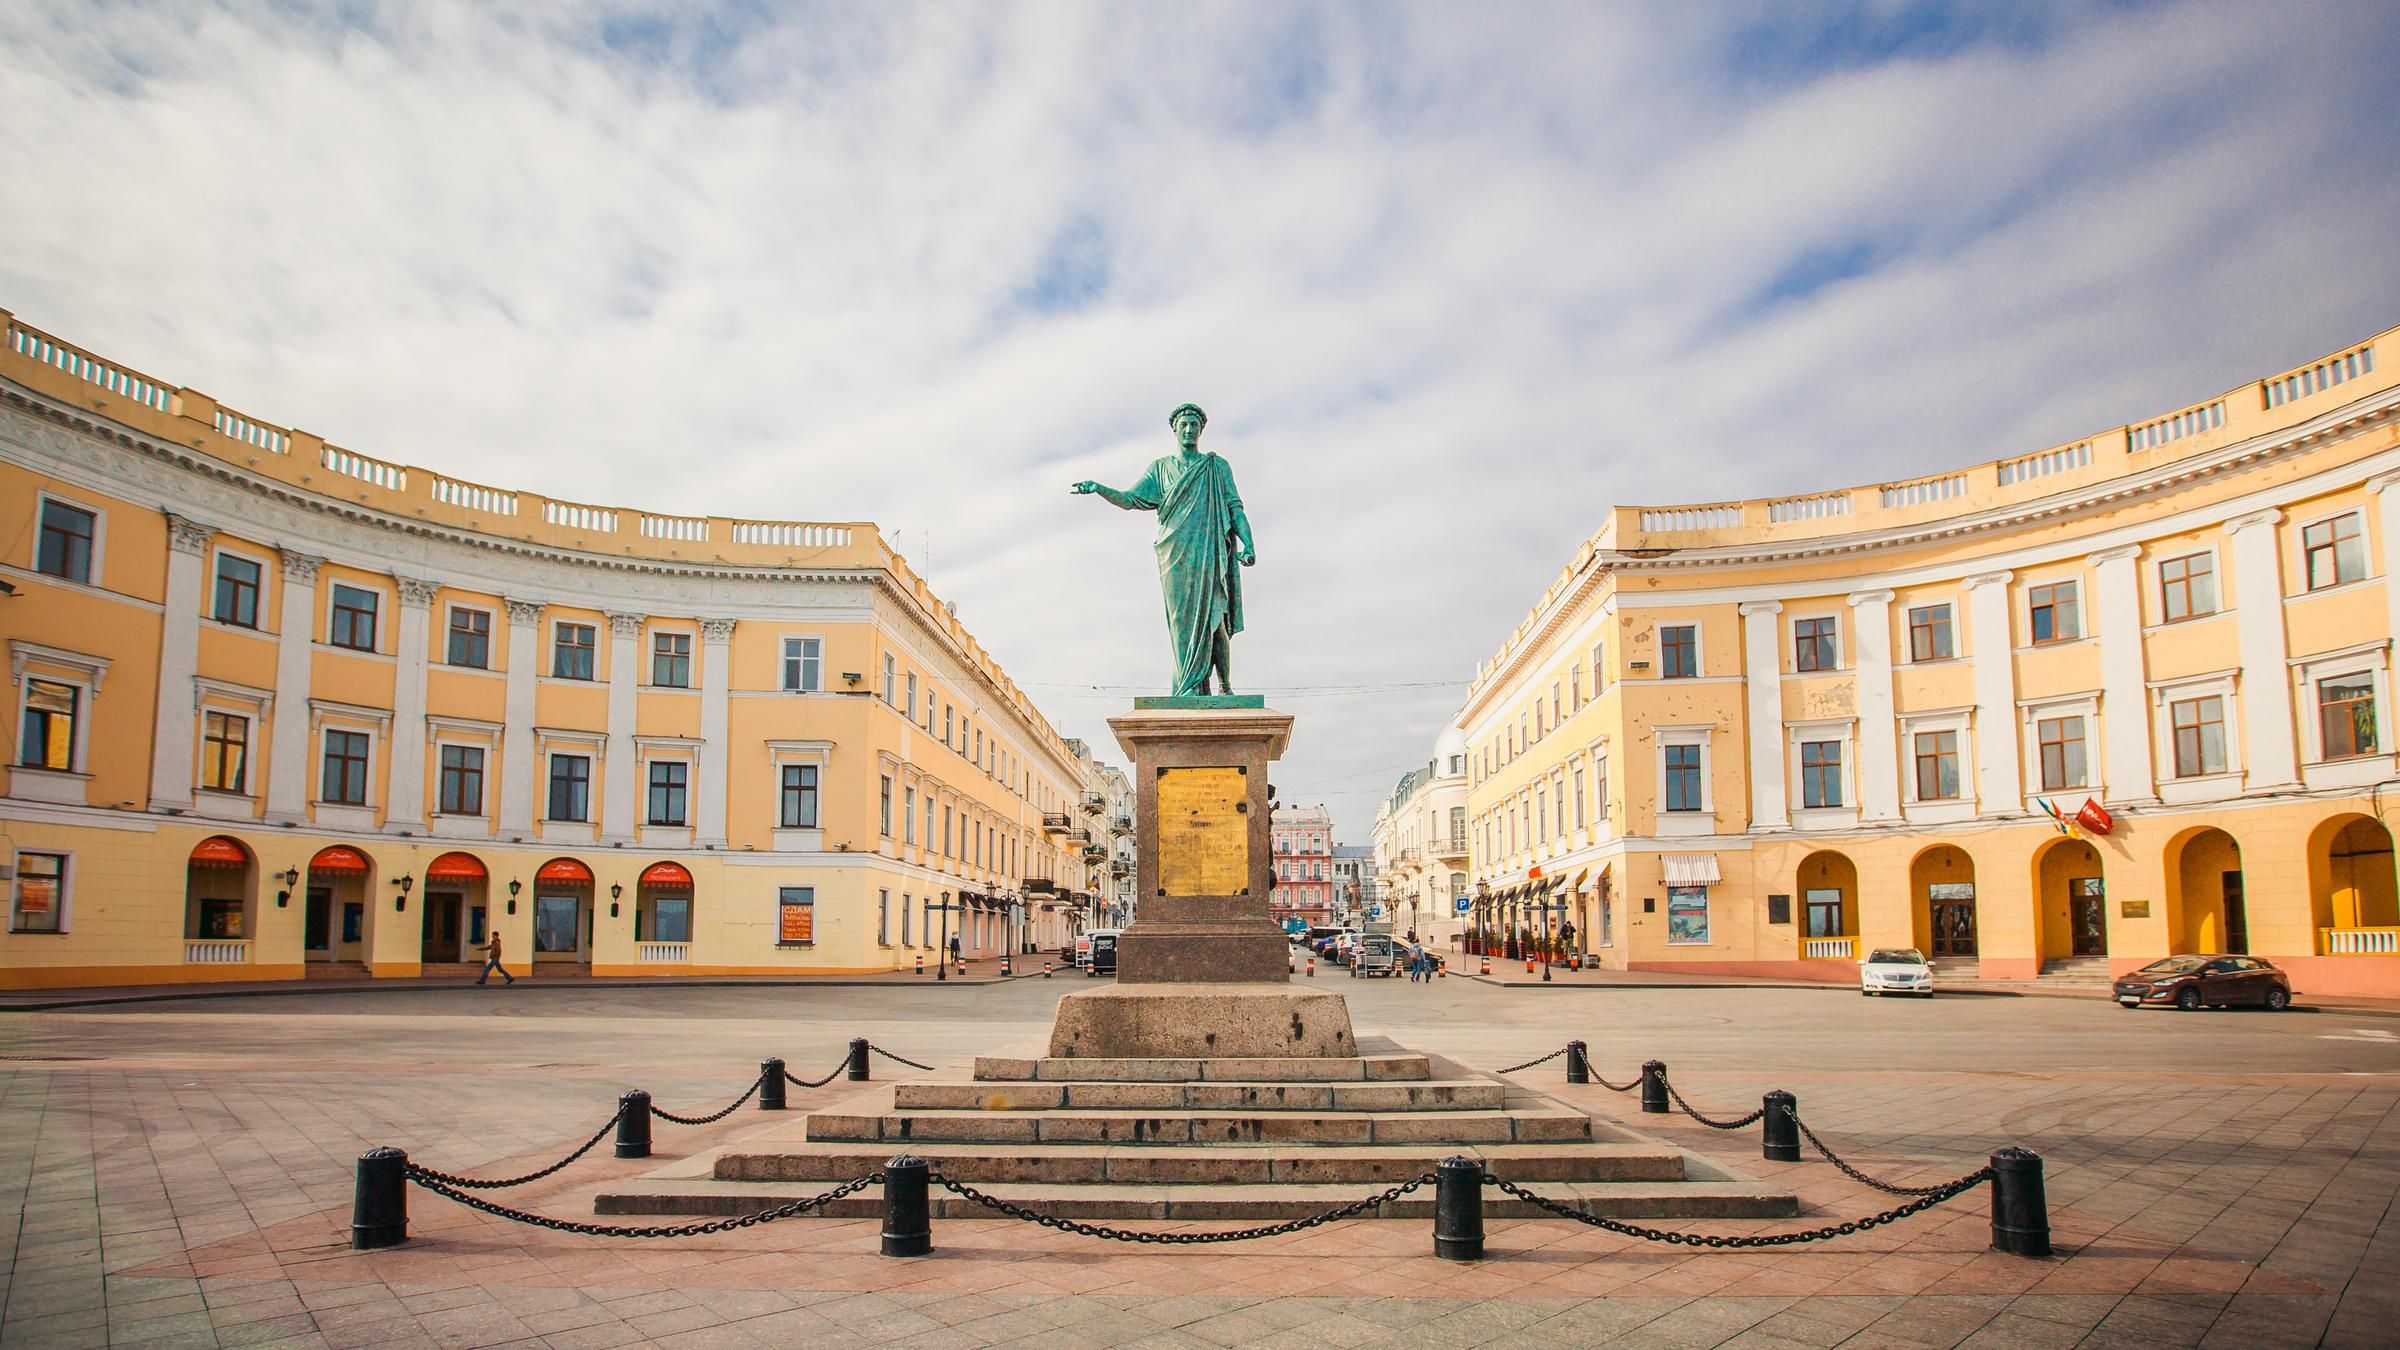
(477, 1184)
(896, 1059)
(1946, 1191)
(1533, 1062)
(429, 1180)
(1351, 1210)
(797, 1081)
(1744, 1123)
(1851, 1172)
(663, 1114)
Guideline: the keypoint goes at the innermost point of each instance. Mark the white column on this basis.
(516, 735)
(2128, 772)
(621, 792)
(1998, 780)
(1762, 679)
(178, 662)
(405, 812)
(2269, 758)
(716, 686)
(1878, 767)
(288, 763)
(2388, 507)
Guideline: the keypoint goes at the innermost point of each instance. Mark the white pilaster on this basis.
(405, 812)
(1878, 753)
(2128, 770)
(178, 661)
(716, 684)
(289, 764)
(1999, 782)
(621, 793)
(1762, 680)
(2270, 759)
(2388, 512)
(516, 735)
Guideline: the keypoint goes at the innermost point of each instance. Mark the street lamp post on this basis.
(941, 969)
(1546, 930)
(1483, 906)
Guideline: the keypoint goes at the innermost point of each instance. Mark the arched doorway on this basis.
(1828, 886)
(220, 902)
(2072, 894)
(456, 908)
(2206, 907)
(338, 918)
(2354, 897)
(1604, 899)
(562, 913)
(1941, 886)
(662, 914)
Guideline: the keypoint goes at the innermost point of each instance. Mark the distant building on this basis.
(1354, 888)
(1421, 843)
(1304, 882)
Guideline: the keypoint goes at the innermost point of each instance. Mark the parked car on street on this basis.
(1896, 970)
(1103, 953)
(2194, 982)
(1374, 955)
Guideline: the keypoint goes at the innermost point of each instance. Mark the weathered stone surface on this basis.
(1114, 1129)
(1125, 1096)
(1202, 1021)
(1258, 1096)
(1443, 1128)
(1224, 937)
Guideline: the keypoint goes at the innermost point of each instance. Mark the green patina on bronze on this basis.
(1187, 702)
(1203, 543)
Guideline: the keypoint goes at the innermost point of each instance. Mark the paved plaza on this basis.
(185, 1168)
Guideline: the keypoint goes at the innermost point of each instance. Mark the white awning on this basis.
(1691, 869)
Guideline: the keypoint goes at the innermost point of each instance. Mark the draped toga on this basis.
(1197, 568)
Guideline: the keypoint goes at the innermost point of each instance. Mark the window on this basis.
(883, 918)
(671, 660)
(883, 812)
(572, 646)
(1683, 777)
(345, 778)
(908, 908)
(1679, 651)
(2054, 615)
(2333, 551)
(797, 801)
(38, 904)
(1930, 636)
(237, 591)
(1937, 766)
(48, 738)
(65, 549)
(2060, 741)
(908, 815)
(1820, 773)
(929, 819)
(2346, 715)
(1814, 645)
(1574, 695)
(671, 919)
(2187, 586)
(2199, 727)
(949, 725)
(669, 785)
(225, 752)
(803, 664)
(471, 638)
(1687, 915)
(462, 781)
(908, 696)
(795, 916)
(891, 678)
(1454, 811)
(353, 618)
(1599, 668)
(570, 787)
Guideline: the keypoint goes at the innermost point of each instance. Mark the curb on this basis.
(320, 988)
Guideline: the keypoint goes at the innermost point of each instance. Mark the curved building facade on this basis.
(2048, 717)
(277, 707)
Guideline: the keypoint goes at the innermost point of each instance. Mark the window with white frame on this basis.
(470, 634)
(2187, 586)
(1821, 774)
(2333, 551)
(796, 797)
(343, 781)
(669, 792)
(224, 752)
(352, 622)
(2054, 612)
(2346, 715)
(50, 723)
(37, 901)
(1679, 651)
(1816, 643)
(69, 541)
(2197, 726)
(803, 665)
(462, 780)
(1932, 633)
(671, 660)
(237, 589)
(574, 651)
(1935, 755)
(2060, 752)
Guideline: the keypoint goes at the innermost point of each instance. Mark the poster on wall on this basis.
(796, 916)
(1687, 914)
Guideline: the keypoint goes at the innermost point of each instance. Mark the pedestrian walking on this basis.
(491, 962)
(1418, 967)
(954, 956)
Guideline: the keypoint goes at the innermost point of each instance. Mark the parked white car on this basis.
(1896, 970)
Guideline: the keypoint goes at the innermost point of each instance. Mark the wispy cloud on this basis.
(1449, 280)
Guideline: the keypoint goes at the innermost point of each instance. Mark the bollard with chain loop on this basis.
(1654, 1087)
(1368, 1205)
(1746, 1240)
(1458, 1210)
(379, 1202)
(2020, 1207)
(1780, 1140)
(782, 1211)
(858, 1059)
(907, 1213)
(771, 1076)
(1579, 1067)
(633, 1124)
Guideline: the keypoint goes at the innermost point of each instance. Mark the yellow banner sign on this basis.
(1203, 832)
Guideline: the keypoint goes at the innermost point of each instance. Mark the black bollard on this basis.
(2020, 1208)
(907, 1216)
(1654, 1088)
(633, 1124)
(1781, 1137)
(1458, 1210)
(770, 1085)
(379, 1206)
(858, 1059)
(1579, 1068)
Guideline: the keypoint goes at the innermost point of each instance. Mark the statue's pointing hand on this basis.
(1085, 488)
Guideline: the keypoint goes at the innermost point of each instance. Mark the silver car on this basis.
(1896, 970)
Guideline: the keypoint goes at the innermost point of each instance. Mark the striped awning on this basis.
(668, 874)
(219, 851)
(1690, 869)
(340, 858)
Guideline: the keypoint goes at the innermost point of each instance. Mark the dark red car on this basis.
(2191, 982)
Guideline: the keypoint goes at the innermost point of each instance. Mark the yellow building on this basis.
(279, 707)
(1763, 736)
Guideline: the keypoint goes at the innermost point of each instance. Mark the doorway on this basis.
(1952, 908)
(440, 944)
(2087, 916)
(318, 939)
(2237, 916)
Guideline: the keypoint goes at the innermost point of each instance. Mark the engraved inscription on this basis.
(1203, 832)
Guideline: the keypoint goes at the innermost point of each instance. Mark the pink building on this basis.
(1304, 880)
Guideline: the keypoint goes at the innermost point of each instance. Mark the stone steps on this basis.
(1424, 1095)
(1369, 1067)
(1090, 1164)
(1519, 1126)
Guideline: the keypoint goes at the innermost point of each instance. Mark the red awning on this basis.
(667, 874)
(339, 858)
(564, 871)
(455, 867)
(219, 851)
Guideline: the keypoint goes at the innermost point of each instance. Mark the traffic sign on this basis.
(1463, 904)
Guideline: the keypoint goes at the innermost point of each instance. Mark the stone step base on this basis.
(1430, 1095)
(1090, 1164)
(1370, 1068)
(1615, 1200)
(1204, 1127)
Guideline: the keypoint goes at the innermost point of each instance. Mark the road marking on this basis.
(2375, 1035)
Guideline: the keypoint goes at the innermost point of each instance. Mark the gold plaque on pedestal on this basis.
(1203, 832)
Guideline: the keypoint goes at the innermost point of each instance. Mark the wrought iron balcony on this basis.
(1056, 821)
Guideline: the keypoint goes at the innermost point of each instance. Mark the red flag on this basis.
(2092, 817)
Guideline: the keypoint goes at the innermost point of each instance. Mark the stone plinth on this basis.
(1203, 846)
(1202, 1021)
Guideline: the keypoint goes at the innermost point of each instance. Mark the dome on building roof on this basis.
(1452, 741)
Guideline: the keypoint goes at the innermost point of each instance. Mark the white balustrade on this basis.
(2324, 374)
(1691, 518)
(2025, 468)
(366, 469)
(1924, 490)
(674, 527)
(790, 535)
(663, 953)
(2362, 941)
(132, 386)
(1808, 508)
(215, 952)
(242, 429)
(2189, 422)
(580, 517)
(1830, 949)
(475, 497)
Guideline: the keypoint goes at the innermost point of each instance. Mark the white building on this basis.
(1420, 847)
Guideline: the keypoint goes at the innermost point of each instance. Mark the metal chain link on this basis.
(1851, 1172)
(473, 1183)
(663, 1114)
(428, 1180)
(1613, 1087)
(1533, 1062)
(1350, 1210)
(896, 1059)
(795, 1081)
(1940, 1194)
(1752, 1119)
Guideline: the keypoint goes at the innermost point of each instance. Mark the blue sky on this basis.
(1449, 279)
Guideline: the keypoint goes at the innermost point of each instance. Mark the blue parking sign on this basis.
(1463, 904)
